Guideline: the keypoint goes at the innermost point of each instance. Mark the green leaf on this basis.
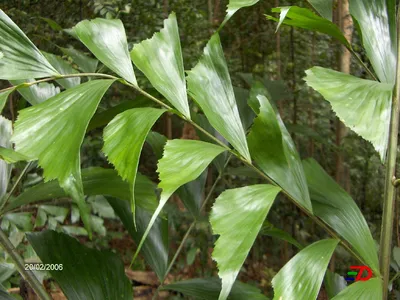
(192, 194)
(5, 169)
(3, 98)
(363, 105)
(302, 276)
(323, 7)
(334, 284)
(63, 68)
(85, 63)
(87, 273)
(209, 289)
(96, 181)
(157, 142)
(160, 59)
(36, 93)
(53, 24)
(183, 161)
(210, 85)
(41, 133)
(237, 217)
(10, 156)
(379, 35)
(246, 113)
(155, 248)
(234, 6)
(272, 231)
(21, 59)
(306, 19)
(124, 137)
(106, 39)
(365, 290)
(280, 160)
(337, 209)
(22, 220)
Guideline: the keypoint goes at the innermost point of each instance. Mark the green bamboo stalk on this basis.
(390, 195)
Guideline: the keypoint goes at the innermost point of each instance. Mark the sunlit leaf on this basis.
(37, 93)
(160, 59)
(306, 19)
(53, 132)
(323, 7)
(96, 181)
(5, 169)
(365, 290)
(10, 156)
(302, 276)
(234, 6)
(273, 150)
(336, 208)
(85, 63)
(106, 39)
(3, 98)
(21, 59)
(124, 137)
(379, 35)
(155, 248)
(363, 105)
(209, 289)
(210, 85)
(237, 217)
(63, 68)
(183, 161)
(86, 273)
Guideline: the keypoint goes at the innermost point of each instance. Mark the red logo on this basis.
(359, 274)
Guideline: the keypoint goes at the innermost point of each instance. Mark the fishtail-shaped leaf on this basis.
(3, 98)
(365, 290)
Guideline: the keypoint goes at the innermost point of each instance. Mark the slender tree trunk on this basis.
(279, 63)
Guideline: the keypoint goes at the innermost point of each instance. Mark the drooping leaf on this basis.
(155, 248)
(5, 169)
(106, 39)
(334, 284)
(234, 6)
(273, 150)
(302, 276)
(269, 230)
(363, 105)
(183, 161)
(63, 68)
(210, 85)
(237, 217)
(124, 137)
(337, 209)
(10, 156)
(209, 289)
(86, 273)
(366, 290)
(85, 63)
(379, 35)
(53, 132)
(96, 181)
(3, 98)
(37, 93)
(160, 59)
(323, 7)
(306, 19)
(21, 59)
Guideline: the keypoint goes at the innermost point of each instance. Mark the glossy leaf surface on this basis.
(37, 93)
(210, 85)
(273, 150)
(323, 7)
(237, 217)
(5, 169)
(124, 137)
(20, 57)
(87, 273)
(302, 276)
(160, 59)
(53, 131)
(337, 209)
(363, 105)
(63, 68)
(366, 290)
(106, 39)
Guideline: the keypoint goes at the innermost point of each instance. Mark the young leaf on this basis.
(37, 93)
(63, 68)
(363, 105)
(53, 131)
(155, 248)
(379, 35)
(3, 98)
(86, 273)
(85, 63)
(302, 276)
(21, 59)
(96, 181)
(306, 19)
(366, 290)
(123, 142)
(210, 85)
(237, 217)
(323, 7)
(5, 169)
(183, 161)
(279, 160)
(336, 208)
(106, 39)
(234, 6)
(160, 59)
